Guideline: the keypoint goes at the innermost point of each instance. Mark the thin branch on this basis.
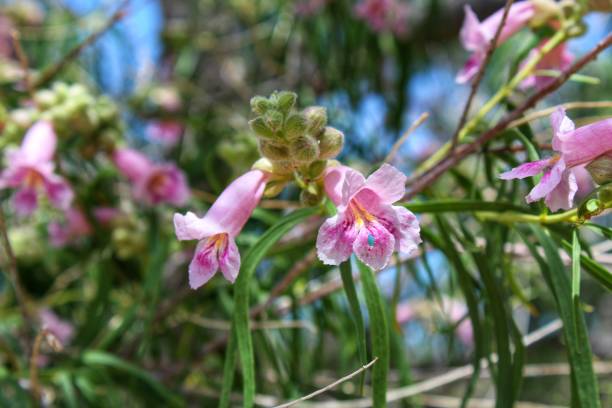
(463, 151)
(408, 132)
(569, 105)
(23, 60)
(51, 72)
(330, 386)
(480, 74)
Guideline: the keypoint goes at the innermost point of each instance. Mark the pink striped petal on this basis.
(374, 245)
(562, 196)
(25, 201)
(335, 239)
(408, 236)
(526, 170)
(548, 183)
(229, 260)
(204, 264)
(562, 127)
(39, 143)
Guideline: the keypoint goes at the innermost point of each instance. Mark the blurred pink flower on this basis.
(366, 223)
(74, 227)
(153, 183)
(575, 147)
(476, 36)
(217, 230)
(558, 59)
(308, 8)
(6, 44)
(166, 132)
(63, 330)
(31, 171)
(106, 215)
(383, 15)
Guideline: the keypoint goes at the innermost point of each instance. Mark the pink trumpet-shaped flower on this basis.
(153, 183)
(476, 36)
(558, 59)
(366, 223)
(74, 227)
(61, 329)
(575, 147)
(217, 230)
(31, 171)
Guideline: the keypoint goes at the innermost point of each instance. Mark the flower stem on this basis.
(514, 217)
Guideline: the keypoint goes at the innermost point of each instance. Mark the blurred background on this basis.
(178, 76)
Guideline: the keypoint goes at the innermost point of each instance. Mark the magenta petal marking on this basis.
(204, 263)
(335, 239)
(526, 170)
(59, 192)
(25, 201)
(229, 260)
(374, 245)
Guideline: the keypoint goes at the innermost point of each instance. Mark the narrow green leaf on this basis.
(575, 265)
(601, 274)
(240, 319)
(579, 350)
(379, 333)
(65, 382)
(228, 370)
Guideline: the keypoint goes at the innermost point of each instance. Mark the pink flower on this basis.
(217, 230)
(61, 329)
(383, 15)
(476, 36)
(366, 223)
(31, 171)
(575, 147)
(153, 183)
(74, 227)
(308, 8)
(167, 132)
(106, 215)
(558, 59)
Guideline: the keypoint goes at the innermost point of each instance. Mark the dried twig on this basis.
(402, 139)
(330, 386)
(463, 151)
(51, 72)
(480, 74)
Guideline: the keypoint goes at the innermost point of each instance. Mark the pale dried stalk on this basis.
(396, 146)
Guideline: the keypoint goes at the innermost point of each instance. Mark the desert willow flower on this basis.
(153, 183)
(574, 147)
(217, 230)
(366, 223)
(31, 171)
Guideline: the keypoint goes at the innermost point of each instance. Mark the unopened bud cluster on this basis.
(74, 111)
(297, 145)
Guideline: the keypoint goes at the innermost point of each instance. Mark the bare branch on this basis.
(401, 140)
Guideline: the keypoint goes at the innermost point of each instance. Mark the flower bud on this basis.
(264, 165)
(282, 167)
(601, 169)
(274, 120)
(330, 143)
(273, 151)
(274, 188)
(304, 149)
(311, 196)
(295, 126)
(259, 126)
(316, 169)
(260, 105)
(316, 116)
(285, 101)
(45, 98)
(61, 91)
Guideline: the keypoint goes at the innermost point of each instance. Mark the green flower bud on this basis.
(272, 150)
(304, 149)
(601, 169)
(295, 126)
(274, 120)
(316, 169)
(260, 105)
(330, 143)
(274, 188)
(311, 196)
(61, 91)
(263, 164)
(285, 101)
(316, 116)
(283, 167)
(259, 126)
(45, 99)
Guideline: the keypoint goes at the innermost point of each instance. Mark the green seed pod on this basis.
(311, 196)
(282, 167)
(316, 169)
(274, 120)
(260, 105)
(259, 126)
(295, 126)
(272, 150)
(316, 116)
(263, 164)
(330, 143)
(601, 169)
(285, 101)
(304, 149)
(274, 188)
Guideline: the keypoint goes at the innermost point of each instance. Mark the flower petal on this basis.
(229, 260)
(204, 264)
(408, 235)
(471, 35)
(471, 67)
(388, 183)
(374, 245)
(25, 201)
(562, 197)
(59, 192)
(526, 170)
(562, 127)
(39, 143)
(190, 226)
(586, 143)
(548, 183)
(335, 239)
(133, 164)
